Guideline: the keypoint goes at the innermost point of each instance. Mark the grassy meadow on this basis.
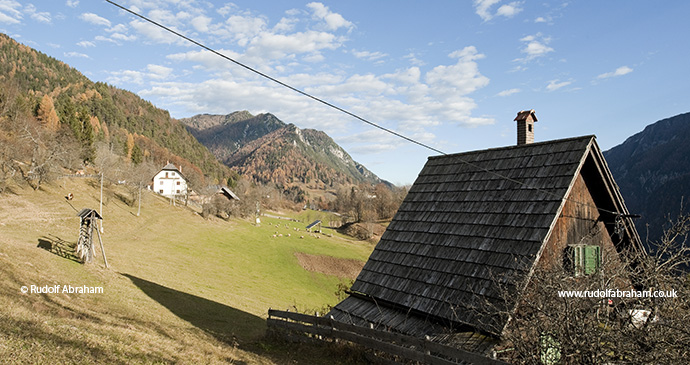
(179, 288)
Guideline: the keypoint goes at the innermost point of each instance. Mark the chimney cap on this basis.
(526, 115)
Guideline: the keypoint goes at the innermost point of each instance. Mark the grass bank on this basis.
(180, 288)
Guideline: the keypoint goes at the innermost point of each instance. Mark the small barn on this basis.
(170, 182)
(227, 193)
(473, 217)
(314, 226)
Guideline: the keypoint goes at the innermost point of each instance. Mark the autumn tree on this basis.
(46, 113)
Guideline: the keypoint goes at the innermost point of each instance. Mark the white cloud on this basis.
(407, 100)
(483, 9)
(10, 12)
(275, 46)
(557, 84)
(86, 44)
(369, 56)
(101, 38)
(155, 33)
(227, 9)
(159, 72)
(414, 60)
(509, 10)
(461, 78)
(201, 23)
(39, 16)
(122, 37)
(243, 29)
(623, 70)
(535, 46)
(333, 21)
(412, 100)
(76, 55)
(151, 74)
(508, 92)
(94, 19)
(119, 28)
(286, 25)
(72, 3)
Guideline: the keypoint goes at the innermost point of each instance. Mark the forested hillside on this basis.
(652, 169)
(265, 149)
(73, 115)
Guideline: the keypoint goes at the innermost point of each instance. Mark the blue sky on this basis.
(452, 74)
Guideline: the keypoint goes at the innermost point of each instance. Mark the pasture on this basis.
(179, 289)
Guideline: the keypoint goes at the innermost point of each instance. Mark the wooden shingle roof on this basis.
(468, 220)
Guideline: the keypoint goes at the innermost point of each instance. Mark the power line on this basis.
(278, 81)
(525, 185)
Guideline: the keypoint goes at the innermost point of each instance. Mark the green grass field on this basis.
(179, 288)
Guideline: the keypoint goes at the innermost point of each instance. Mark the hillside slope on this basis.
(98, 112)
(180, 289)
(652, 169)
(268, 150)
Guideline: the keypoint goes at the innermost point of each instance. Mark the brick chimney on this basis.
(525, 126)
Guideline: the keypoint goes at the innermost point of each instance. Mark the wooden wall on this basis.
(577, 224)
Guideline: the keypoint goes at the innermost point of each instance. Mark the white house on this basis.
(170, 182)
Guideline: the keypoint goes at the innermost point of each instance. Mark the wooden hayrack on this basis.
(85, 249)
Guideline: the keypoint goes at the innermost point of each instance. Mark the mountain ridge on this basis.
(652, 169)
(266, 149)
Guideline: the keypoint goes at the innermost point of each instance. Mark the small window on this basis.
(529, 127)
(581, 260)
(172, 174)
(161, 182)
(166, 174)
(178, 183)
(178, 191)
(160, 191)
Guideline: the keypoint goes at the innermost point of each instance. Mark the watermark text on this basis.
(56, 289)
(617, 293)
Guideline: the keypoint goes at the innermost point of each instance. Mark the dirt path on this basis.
(342, 268)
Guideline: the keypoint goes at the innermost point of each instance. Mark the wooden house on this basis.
(228, 194)
(170, 182)
(472, 219)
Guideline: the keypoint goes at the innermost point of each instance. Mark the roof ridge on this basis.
(536, 144)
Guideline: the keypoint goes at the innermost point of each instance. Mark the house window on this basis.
(178, 191)
(581, 260)
(166, 174)
(160, 191)
(178, 183)
(161, 182)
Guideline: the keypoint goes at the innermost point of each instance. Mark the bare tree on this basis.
(550, 328)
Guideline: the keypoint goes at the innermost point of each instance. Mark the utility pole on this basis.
(139, 210)
(100, 209)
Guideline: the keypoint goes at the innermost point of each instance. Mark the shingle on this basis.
(460, 224)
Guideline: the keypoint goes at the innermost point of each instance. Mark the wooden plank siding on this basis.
(579, 223)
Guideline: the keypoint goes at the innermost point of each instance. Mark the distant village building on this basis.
(473, 218)
(227, 193)
(170, 182)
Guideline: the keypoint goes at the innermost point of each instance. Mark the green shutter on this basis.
(586, 259)
(592, 259)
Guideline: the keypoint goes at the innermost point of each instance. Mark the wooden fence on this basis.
(408, 347)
